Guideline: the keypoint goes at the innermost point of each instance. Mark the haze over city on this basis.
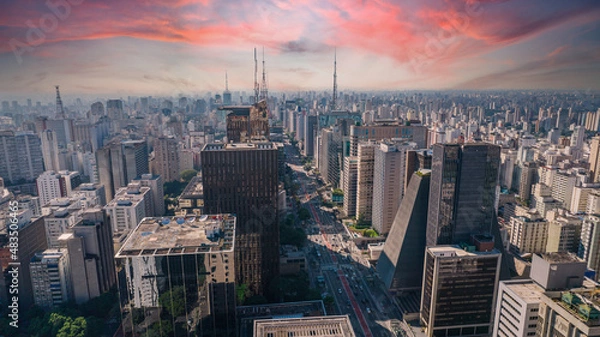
(166, 48)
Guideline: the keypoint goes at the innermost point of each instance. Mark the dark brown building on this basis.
(245, 123)
(243, 179)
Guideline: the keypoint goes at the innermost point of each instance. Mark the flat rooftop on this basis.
(330, 326)
(561, 257)
(161, 236)
(259, 145)
(246, 315)
(456, 251)
(527, 290)
(194, 188)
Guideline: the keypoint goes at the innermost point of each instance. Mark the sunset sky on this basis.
(170, 47)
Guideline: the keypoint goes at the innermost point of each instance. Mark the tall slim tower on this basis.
(60, 111)
(334, 96)
(226, 93)
(264, 92)
(256, 87)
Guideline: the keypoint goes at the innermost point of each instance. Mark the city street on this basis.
(345, 274)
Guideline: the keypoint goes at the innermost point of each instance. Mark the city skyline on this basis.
(134, 48)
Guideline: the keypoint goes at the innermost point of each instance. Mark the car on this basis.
(368, 310)
(340, 290)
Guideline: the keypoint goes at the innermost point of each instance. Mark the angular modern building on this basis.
(459, 290)
(401, 263)
(463, 190)
(243, 179)
(179, 271)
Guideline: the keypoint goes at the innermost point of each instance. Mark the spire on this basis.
(334, 96)
(264, 93)
(256, 88)
(60, 111)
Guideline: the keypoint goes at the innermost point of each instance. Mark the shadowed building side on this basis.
(401, 263)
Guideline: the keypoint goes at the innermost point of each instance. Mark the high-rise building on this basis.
(595, 159)
(330, 156)
(528, 234)
(155, 183)
(243, 179)
(119, 162)
(463, 190)
(90, 250)
(517, 308)
(401, 263)
(564, 235)
(166, 158)
(50, 150)
(245, 123)
(389, 167)
(114, 109)
(349, 185)
(50, 278)
(184, 260)
(589, 247)
(130, 205)
(526, 180)
(364, 180)
(52, 185)
(310, 130)
(21, 157)
(459, 290)
(417, 134)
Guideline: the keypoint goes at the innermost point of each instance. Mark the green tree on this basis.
(173, 301)
(187, 175)
(329, 301)
(73, 328)
(242, 293)
(303, 214)
(371, 233)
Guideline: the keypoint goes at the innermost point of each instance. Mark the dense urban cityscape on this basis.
(291, 205)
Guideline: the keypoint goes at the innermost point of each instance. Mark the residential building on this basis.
(166, 158)
(155, 183)
(528, 234)
(130, 205)
(349, 185)
(517, 308)
(50, 278)
(21, 157)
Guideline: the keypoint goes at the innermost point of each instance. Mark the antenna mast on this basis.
(256, 88)
(334, 96)
(264, 93)
(60, 111)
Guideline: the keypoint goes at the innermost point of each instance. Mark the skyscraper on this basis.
(166, 158)
(463, 189)
(243, 179)
(50, 150)
(21, 157)
(119, 162)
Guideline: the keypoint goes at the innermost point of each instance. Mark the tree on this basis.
(242, 293)
(371, 233)
(329, 300)
(73, 328)
(303, 214)
(187, 175)
(173, 301)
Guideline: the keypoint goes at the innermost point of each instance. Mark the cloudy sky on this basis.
(186, 46)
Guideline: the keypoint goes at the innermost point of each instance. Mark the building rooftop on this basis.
(338, 326)
(527, 290)
(180, 235)
(457, 251)
(248, 314)
(258, 145)
(560, 257)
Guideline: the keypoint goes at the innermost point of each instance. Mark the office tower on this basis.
(329, 163)
(364, 180)
(93, 192)
(96, 112)
(416, 160)
(245, 123)
(349, 185)
(155, 183)
(564, 235)
(417, 134)
(401, 263)
(508, 160)
(50, 278)
(166, 158)
(184, 260)
(114, 109)
(21, 157)
(320, 326)
(577, 138)
(589, 248)
(310, 130)
(300, 124)
(119, 162)
(52, 185)
(562, 188)
(517, 308)
(526, 180)
(389, 168)
(463, 189)
(595, 159)
(89, 246)
(90, 168)
(50, 150)
(459, 290)
(528, 234)
(243, 179)
(130, 205)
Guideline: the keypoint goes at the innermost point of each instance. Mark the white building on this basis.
(53, 185)
(528, 234)
(130, 205)
(50, 278)
(589, 249)
(155, 183)
(517, 308)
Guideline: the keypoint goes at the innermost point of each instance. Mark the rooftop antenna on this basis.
(264, 93)
(334, 96)
(256, 88)
(60, 111)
